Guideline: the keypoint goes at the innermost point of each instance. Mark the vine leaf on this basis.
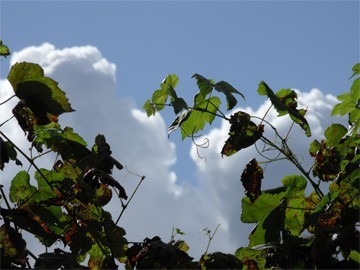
(41, 94)
(350, 102)
(26, 220)
(227, 89)
(268, 213)
(356, 70)
(243, 133)
(204, 113)
(295, 202)
(334, 134)
(4, 50)
(206, 86)
(160, 97)
(251, 179)
(284, 102)
(20, 188)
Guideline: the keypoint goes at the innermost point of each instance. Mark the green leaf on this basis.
(159, 98)
(334, 134)
(347, 105)
(355, 256)
(295, 214)
(171, 80)
(264, 204)
(20, 188)
(284, 102)
(294, 184)
(205, 86)
(356, 70)
(227, 89)
(178, 231)
(69, 134)
(315, 146)
(295, 203)
(4, 50)
(52, 177)
(355, 90)
(182, 245)
(149, 107)
(41, 94)
(202, 114)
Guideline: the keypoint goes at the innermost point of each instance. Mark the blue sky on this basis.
(288, 44)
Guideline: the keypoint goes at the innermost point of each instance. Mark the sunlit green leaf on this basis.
(21, 188)
(355, 256)
(204, 113)
(149, 108)
(356, 70)
(355, 89)
(264, 204)
(314, 147)
(294, 184)
(335, 133)
(159, 98)
(4, 50)
(171, 80)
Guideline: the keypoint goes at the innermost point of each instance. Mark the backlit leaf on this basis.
(41, 94)
(335, 133)
(205, 86)
(201, 115)
(149, 108)
(4, 50)
(285, 104)
(227, 89)
(356, 70)
(20, 188)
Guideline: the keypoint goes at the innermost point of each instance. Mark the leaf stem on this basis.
(3, 102)
(132, 195)
(210, 238)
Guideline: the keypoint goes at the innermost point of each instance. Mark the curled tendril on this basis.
(205, 144)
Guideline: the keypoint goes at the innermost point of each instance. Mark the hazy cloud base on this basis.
(142, 145)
